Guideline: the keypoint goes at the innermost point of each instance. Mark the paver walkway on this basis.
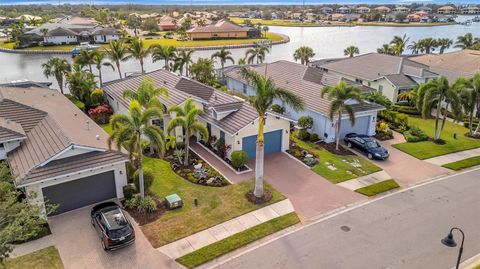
(454, 157)
(357, 183)
(223, 230)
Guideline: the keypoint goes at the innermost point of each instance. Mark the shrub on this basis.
(402, 121)
(128, 192)
(239, 158)
(310, 161)
(388, 115)
(101, 114)
(79, 104)
(406, 109)
(378, 98)
(383, 131)
(277, 108)
(144, 205)
(222, 148)
(303, 135)
(415, 134)
(314, 137)
(147, 179)
(305, 122)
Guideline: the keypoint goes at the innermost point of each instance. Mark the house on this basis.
(335, 17)
(27, 17)
(64, 157)
(383, 9)
(167, 23)
(225, 116)
(65, 33)
(452, 65)
(105, 35)
(221, 29)
(423, 9)
(306, 82)
(78, 21)
(446, 10)
(402, 9)
(362, 10)
(326, 10)
(343, 10)
(237, 14)
(61, 35)
(390, 75)
(414, 17)
(470, 10)
(350, 17)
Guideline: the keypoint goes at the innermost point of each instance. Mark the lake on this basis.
(327, 42)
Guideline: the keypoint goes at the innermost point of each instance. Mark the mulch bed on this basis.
(267, 196)
(145, 218)
(439, 142)
(331, 147)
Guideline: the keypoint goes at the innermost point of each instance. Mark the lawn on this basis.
(462, 164)
(7, 45)
(428, 149)
(241, 239)
(47, 258)
(107, 128)
(341, 173)
(216, 204)
(379, 187)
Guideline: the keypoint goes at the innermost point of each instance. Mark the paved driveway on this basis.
(310, 194)
(80, 247)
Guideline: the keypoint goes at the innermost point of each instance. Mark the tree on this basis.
(147, 95)
(223, 55)
(134, 22)
(166, 53)
(466, 41)
(409, 95)
(85, 58)
(186, 118)
(150, 25)
(81, 84)
(203, 71)
(257, 53)
(351, 51)
(139, 51)
(265, 94)
(415, 47)
(242, 61)
(399, 43)
(183, 60)
(338, 97)
(58, 68)
(303, 54)
(470, 97)
(44, 32)
(428, 45)
(386, 49)
(265, 30)
(117, 52)
(99, 61)
(129, 130)
(378, 98)
(444, 43)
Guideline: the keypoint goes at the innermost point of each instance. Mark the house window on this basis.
(245, 88)
(380, 88)
(359, 81)
(2, 146)
(158, 122)
(222, 134)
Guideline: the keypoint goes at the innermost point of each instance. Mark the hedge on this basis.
(406, 109)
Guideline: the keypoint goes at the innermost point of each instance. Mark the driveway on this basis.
(310, 194)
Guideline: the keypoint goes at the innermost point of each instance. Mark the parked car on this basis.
(368, 145)
(112, 225)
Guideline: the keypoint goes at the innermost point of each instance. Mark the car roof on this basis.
(114, 218)
(104, 206)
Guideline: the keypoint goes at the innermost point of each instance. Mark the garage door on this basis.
(360, 127)
(81, 192)
(273, 143)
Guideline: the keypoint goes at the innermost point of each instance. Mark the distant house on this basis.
(27, 17)
(326, 10)
(350, 17)
(424, 9)
(306, 82)
(220, 29)
(343, 10)
(61, 35)
(167, 23)
(362, 10)
(446, 10)
(335, 17)
(402, 9)
(238, 14)
(105, 35)
(389, 75)
(470, 10)
(383, 9)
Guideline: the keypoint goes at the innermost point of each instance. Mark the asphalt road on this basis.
(400, 231)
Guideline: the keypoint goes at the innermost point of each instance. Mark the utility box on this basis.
(173, 201)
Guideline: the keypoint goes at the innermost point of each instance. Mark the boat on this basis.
(476, 19)
(83, 46)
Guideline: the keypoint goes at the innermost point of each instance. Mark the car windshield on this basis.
(115, 219)
(372, 144)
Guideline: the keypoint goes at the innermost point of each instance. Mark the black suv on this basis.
(112, 226)
(366, 144)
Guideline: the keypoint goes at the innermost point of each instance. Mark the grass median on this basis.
(379, 187)
(462, 164)
(238, 240)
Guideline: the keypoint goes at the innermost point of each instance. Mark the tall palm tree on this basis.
(99, 61)
(444, 43)
(186, 117)
(117, 52)
(257, 53)
(428, 45)
(265, 30)
(139, 51)
(44, 32)
(351, 51)
(85, 58)
(265, 94)
(338, 96)
(242, 61)
(130, 129)
(399, 43)
(223, 55)
(415, 46)
(147, 95)
(466, 41)
(470, 95)
(183, 60)
(166, 53)
(58, 68)
(386, 49)
(203, 70)
(304, 54)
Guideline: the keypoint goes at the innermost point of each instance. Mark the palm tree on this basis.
(44, 32)
(257, 53)
(444, 43)
(466, 41)
(81, 84)
(351, 51)
(165, 53)
(186, 117)
(242, 61)
(183, 59)
(203, 71)
(58, 68)
(99, 61)
(131, 128)
(265, 29)
(338, 96)
(409, 95)
(386, 49)
(117, 52)
(139, 51)
(415, 47)
(265, 94)
(85, 58)
(428, 45)
(147, 95)
(224, 56)
(399, 43)
(470, 95)
(303, 54)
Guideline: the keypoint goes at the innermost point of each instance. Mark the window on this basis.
(158, 122)
(2, 146)
(245, 88)
(380, 88)
(222, 134)
(359, 81)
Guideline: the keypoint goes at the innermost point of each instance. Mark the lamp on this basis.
(450, 242)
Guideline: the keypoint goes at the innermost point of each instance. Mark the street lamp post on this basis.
(450, 242)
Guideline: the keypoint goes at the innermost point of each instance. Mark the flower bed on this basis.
(302, 155)
(143, 218)
(222, 154)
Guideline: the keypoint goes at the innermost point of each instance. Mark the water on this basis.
(327, 42)
(229, 2)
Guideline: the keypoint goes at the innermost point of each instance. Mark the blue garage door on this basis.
(360, 127)
(273, 143)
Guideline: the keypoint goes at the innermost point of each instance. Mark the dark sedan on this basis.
(112, 225)
(368, 145)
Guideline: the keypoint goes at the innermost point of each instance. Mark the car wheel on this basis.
(370, 156)
(103, 245)
(349, 145)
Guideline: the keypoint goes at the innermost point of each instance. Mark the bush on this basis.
(303, 135)
(79, 104)
(378, 98)
(402, 121)
(128, 192)
(222, 148)
(144, 205)
(239, 158)
(388, 115)
(147, 179)
(406, 109)
(277, 108)
(415, 134)
(101, 114)
(305, 122)
(310, 161)
(314, 137)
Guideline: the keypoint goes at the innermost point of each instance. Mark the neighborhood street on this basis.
(399, 231)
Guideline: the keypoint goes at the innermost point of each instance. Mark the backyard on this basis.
(47, 258)
(428, 149)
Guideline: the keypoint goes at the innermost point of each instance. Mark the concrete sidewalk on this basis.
(223, 230)
(357, 183)
(454, 157)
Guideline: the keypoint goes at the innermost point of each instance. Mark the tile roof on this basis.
(220, 26)
(401, 80)
(10, 130)
(60, 31)
(105, 31)
(306, 82)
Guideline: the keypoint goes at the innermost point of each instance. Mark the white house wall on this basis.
(60, 39)
(7, 147)
(108, 38)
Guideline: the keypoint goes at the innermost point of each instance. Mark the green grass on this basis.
(47, 258)
(462, 164)
(107, 128)
(241, 239)
(7, 45)
(341, 173)
(379, 187)
(428, 149)
(216, 204)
